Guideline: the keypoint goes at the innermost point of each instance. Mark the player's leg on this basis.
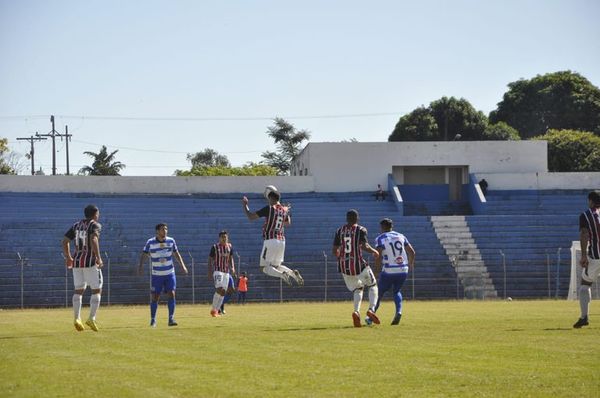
(268, 261)
(368, 279)
(170, 287)
(155, 291)
(354, 285)
(221, 281)
(79, 287)
(228, 293)
(398, 283)
(588, 276)
(95, 280)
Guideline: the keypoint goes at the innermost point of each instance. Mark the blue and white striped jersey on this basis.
(161, 255)
(394, 259)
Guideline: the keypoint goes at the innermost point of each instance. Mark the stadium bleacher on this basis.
(33, 225)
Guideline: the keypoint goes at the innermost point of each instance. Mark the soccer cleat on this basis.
(299, 279)
(92, 324)
(172, 322)
(153, 323)
(286, 278)
(373, 317)
(214, 313)
(356, 319)
(581, 322)
(396, 319)
(78, 325)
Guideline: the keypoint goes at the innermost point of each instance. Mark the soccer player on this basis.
(86, 263)
(348, 243)
(276, 217)
(589, 239)
(161, 249)
(220, 261)
(396, 258)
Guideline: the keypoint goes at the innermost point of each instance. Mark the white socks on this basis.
(358, 295)
(94, 304)
(77, 305)
(373, 294)
(585, 296)
(217, 301)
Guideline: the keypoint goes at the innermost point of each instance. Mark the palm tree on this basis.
(104, 164)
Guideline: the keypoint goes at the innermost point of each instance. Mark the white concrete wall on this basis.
(503, 181)
(158, 185)
(361, 166)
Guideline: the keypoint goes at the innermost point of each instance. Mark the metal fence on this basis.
(322, 283)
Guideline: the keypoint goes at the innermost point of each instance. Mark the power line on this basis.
(149, 150)
(206, 119)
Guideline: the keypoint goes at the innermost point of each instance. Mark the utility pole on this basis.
(67, 139)
(53, 134)
(31, 140)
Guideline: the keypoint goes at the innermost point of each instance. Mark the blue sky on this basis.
(159, 79)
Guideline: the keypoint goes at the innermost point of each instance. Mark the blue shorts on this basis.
(387, 281)
(163, 283)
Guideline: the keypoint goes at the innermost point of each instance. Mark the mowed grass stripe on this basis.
(441, 348)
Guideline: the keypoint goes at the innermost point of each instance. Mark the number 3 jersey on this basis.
(82, 232)
(275, 217)
(393, 256)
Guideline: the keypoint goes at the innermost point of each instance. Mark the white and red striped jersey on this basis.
(82, 232)
(221, 255)
(590, 220)
(350, 238)
(275, 218)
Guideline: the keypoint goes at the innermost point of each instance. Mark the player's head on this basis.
(273, 197)
(594, 198)
(161, 230)
(91, 211)
(223, 236)
(244, 273)
(386, 224)
(352, 216)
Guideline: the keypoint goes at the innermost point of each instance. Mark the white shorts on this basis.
(272, 253)
(592, 272)
(92, 276)
(365, 278)
(221, 279)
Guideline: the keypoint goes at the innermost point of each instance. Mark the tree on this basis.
(249, 169)
(288, 141)
(445, 119)
(208, 158)
(560, 100)
(103, 165)
(570, 150)
(500, 132)
(5, 167)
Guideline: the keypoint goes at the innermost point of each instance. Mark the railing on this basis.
(319, 284)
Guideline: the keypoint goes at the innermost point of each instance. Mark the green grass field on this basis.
(449, 348)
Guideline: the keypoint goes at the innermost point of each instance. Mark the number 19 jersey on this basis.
(393, 256)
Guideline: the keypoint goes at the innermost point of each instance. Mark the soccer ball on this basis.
(269, 189)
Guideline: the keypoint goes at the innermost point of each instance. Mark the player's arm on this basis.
(96, 250)
(288, 215)
(410, 251)
(337, 242)
(143, 258)
(66, 248)
(251, 215)
(180, 261)
(232, 264)
(378, 259)
(584, 240)
(367, 247)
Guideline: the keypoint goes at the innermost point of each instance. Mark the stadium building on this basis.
(512, 240)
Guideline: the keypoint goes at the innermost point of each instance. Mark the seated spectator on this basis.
(380, 193)
(484, 186)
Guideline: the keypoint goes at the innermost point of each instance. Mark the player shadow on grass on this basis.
(309, 328)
